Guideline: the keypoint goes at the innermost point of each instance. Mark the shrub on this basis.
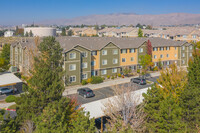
(119, 74)
(138, 71)
(122, 76)
(112, 77)
(84, 82)
(89, 80)
(10, 99)
(155, 68)
(96, 80)
(103, 78)
(108, 76)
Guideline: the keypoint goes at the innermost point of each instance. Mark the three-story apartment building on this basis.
(85, 57)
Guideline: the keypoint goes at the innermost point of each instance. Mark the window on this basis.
(175, 48)
(72, 79)
(84, 54)
(94, 53)
(115, 61)
(72, 55)
(115, 51)
(183, 47)
(155, 64)
(114, 70)
(175, 62)
(104, 62)
(190, 54)
(161, 48)
(155, 49)
(190, 47)
(193, 36)
(123, 59)
(93, 63)
(167, 55)
(84, 76)
(104, 52)
(103, 72)
(123, 51)
(183, 54)
(84, 65)
(167, 48)
(94, 73)
(155, 56)
(132, 50)
(184, 36)
(183, 62)
(72, 67)
(141, 50)
(175, 55)
(132, 58)
(161, 56)
(168, 63)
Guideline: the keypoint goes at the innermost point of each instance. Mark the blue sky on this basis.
(27, 11)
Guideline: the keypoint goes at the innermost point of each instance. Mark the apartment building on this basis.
(84, 31)
(101, 56)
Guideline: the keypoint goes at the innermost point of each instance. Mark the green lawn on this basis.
(12, 106)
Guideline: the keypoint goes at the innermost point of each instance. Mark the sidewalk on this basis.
(6, 105)
(73, 89)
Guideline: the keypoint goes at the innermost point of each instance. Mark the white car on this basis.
(6, 90)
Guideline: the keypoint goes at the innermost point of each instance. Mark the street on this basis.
(106, 92)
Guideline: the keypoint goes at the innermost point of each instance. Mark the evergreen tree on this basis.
(63, 32)
(46, 84)
(70, 33)
(31, 33)
(140, 33)
(26, 34)
(191, 95)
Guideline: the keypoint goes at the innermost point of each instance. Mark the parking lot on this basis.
(106, 92)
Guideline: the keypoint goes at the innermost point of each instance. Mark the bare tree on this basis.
(124, 110)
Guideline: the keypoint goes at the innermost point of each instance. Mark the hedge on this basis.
(10, 99)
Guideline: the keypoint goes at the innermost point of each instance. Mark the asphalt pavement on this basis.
(106, 92)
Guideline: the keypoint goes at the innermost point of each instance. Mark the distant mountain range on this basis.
(129, 18)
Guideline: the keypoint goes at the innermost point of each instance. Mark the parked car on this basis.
(5, 90)
(139, 81)
(85, 92)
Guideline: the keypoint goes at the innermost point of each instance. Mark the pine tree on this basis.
(46, 84)
(63, 32)
(191, 95)
(140, 33)
(31, 33)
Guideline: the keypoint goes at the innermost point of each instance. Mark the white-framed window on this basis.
(72, 67)
(141, 50)
(155, 56)
(84, 76)
(194, 36)
(184, 36)
(114, 70)
(183, 62)
(103, 72)
(190, 47)
(94, 53)
(167, 48)
(161, 48)
(123, 59)
(168, 63)
(190, 54)
(161, 56)
(124, 51)
(132, 58)
(72, 79)
(94, 73)
(167, 55)
(155, 64)
(175, 55)
(155, 49)
(115, 51)
(132, 50)
(104, 62)
(104, 52)
(84, 65)
(93, 63)
(72, 55)
(183, 54)
(84, 54)
(183, 47)
(115, 61)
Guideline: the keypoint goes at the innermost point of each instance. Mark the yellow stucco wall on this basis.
(128, 56)
(171, 53)
(96, 58)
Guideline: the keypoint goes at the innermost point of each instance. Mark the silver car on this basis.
(6, 90)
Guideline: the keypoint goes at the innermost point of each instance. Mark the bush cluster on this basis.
(10, 99)
(84, 82)
(97, 80)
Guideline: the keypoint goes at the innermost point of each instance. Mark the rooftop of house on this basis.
(97, 43)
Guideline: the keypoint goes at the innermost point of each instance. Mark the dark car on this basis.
(85, 92)
(139, 81)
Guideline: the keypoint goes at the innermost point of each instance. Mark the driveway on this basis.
(106, 92)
